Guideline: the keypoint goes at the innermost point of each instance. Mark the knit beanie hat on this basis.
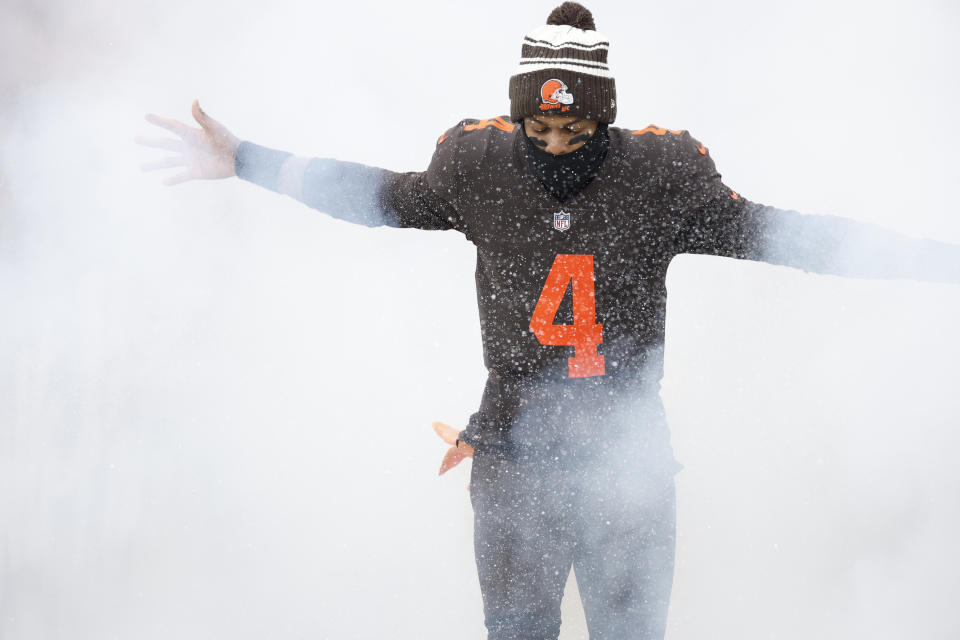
(563, 69)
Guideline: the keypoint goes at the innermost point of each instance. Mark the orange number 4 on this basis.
(584, 334)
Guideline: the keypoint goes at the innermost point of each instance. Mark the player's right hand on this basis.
(457, 452)
(206, 153)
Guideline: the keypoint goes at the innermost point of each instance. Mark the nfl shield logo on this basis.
(561, 221)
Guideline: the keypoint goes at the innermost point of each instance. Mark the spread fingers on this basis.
(171, 125)
(166, 163)
(160, 143)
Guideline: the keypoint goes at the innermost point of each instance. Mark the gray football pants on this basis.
(608, 517)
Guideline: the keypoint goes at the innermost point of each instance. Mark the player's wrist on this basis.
(462, 445)
(257, 164)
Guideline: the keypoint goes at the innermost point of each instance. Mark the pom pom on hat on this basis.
(572, 14)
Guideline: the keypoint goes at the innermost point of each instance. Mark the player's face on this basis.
(559, 134)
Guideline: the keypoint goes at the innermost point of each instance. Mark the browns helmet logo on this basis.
(554, 95)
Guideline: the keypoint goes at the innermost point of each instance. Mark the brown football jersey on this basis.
(572, 296)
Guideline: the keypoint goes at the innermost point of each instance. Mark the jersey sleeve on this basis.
(716, 220)
(485, 427)
(426, 200)
(712, 218)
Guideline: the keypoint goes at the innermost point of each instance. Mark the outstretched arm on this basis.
(718, 221)
(346, 190)
(843, 247)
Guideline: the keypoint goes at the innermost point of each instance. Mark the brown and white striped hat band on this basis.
(563, 71)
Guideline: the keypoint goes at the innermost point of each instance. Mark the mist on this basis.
(215, 403)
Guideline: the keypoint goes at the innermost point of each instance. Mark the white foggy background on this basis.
(215, 403)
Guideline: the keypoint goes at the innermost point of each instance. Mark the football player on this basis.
(575, 223)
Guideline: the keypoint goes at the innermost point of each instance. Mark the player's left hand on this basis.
(457, 452)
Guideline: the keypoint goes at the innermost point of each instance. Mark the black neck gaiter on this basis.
(566, 175)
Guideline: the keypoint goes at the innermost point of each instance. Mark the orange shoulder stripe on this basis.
(657, 131)
(497, 122)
